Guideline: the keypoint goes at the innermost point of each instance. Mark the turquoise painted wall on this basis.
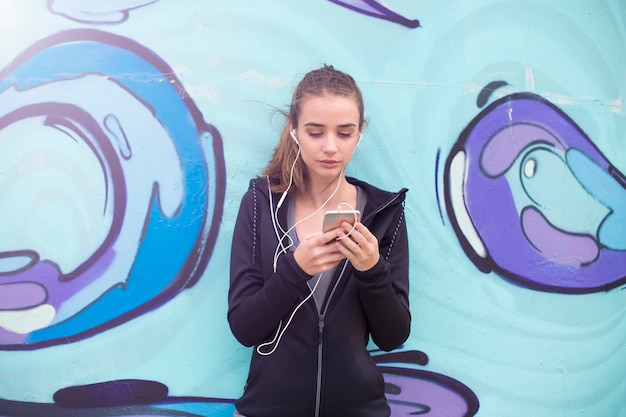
(129, 131)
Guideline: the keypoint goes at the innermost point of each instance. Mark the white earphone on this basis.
(282, 197)
(282, 248)
(293, 135)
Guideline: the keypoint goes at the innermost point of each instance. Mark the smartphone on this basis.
(334, 218)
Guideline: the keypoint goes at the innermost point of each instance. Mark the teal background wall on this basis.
(129, 131)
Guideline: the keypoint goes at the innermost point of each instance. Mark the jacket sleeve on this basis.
(384, 289)
(259, 299)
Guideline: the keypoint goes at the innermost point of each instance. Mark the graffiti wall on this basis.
(129, 131)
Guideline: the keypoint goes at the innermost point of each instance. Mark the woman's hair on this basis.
(319, 82)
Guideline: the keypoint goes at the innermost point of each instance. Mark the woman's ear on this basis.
(292, 133)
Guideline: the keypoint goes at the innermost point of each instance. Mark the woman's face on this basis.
(328, 132)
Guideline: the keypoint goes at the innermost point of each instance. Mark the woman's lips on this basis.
(329, 163)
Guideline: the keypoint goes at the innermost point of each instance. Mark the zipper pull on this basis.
(320, 325)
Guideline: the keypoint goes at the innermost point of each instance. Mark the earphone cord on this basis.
(343, 203)
(281, 248)
(279, 333)
(274, 216)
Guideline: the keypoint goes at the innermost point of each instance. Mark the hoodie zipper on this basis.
(322, 313)
(318, 384)
(320, 342)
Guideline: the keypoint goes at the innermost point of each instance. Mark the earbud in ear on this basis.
(293, 135)
(359, 140)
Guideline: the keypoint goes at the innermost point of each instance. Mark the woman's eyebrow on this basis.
(313, 124)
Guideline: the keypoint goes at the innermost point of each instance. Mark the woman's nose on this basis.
(330, 143)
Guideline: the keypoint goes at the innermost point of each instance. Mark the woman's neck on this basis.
(329, 195)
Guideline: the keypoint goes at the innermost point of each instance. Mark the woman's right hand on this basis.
(317, 252)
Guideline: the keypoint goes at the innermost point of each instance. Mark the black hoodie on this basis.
(321, 366)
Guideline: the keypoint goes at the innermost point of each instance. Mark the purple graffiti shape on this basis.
(413, 392)
(558, 246)
(532, 198)
(122, 392)
(140, 399)
(377, 10)
(96, 12)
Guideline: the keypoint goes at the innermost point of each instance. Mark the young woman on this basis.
(310, 300)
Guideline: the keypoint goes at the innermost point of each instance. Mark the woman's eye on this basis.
(345, 134)
(315, 134)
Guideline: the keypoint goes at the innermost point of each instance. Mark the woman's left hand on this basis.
(360, 246)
